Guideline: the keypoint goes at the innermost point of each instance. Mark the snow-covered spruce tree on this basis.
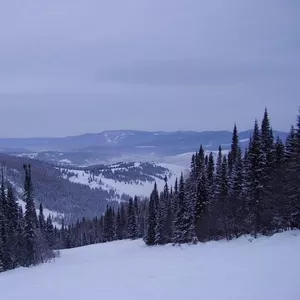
(49, 232)
(41, 217)
(201, 209)
(268, 157)
(236, 203)
(109, 225)
(30, 238)
(151, 219)
(223, 212)
(292, 168)
(182, 219)
(123, 220)
(132, 222)
(296, 212)
(119, 228)
(137, 216)
(168, 226)
(215, 209)
(236, 197)
(279, 209)
(6, 251)
(1, 241)
(255, 205)
(12, 228)
(210, 171)
(160, 238)
(235, 148)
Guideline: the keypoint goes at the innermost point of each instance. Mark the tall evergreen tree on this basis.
(151, 220)
(132, 222)
(6, 255)
(201, 212)
(12, 226)
(119, 227)
(234, 152)
(169, 214)
(182, 225)
(42, 222)
(255, 178)
(30, 238)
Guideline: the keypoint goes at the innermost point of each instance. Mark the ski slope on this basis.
(266, 268)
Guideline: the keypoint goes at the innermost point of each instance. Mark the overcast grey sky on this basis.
(76, 66)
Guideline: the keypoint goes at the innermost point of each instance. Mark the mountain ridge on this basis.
(118, 138)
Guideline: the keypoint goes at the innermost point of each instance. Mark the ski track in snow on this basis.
(266, 268)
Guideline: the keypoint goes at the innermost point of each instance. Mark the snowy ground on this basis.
(140, 188)
(267, 268)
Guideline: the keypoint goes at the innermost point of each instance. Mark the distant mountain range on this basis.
(120, 145)
(79, 176)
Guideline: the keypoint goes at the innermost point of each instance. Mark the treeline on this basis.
(128, 221)
(255, 191)
(26, 239)
(71, 200)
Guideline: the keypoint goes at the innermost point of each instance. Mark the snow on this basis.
(46, 211)
(139, 188)
(29, 155)
(244, 140)
(65, 161)
(266, 268)
(184, 159)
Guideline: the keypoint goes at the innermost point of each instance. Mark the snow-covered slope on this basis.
(125, 178)
(266, 268)
(184, 159)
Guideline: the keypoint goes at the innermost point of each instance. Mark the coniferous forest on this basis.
(254, 191)
(26, 239)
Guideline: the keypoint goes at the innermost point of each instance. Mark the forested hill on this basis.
(55, 193)
(254, 191)
(75, 192)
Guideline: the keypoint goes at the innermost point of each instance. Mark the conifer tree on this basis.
(236, 196)
(223, 211)
(235, 148)
(30, 238)
(201, 210)
(132, 222)
(182, 223)
(137, 217)
(119, 227)
(49, 231)
(210, 175)
(42, 222)
(123, 220)
(160, 238)
(169, 215)
(255, 187)
(151, 220)
(5, 251)
(12, 225)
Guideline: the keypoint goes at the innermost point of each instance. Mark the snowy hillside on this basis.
(184, 159)
(125, 178)
(266, 268)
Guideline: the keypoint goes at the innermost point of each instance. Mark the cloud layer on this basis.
(79, 66)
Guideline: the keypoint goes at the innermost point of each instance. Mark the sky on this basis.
(69, 67)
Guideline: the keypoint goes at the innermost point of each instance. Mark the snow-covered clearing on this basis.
(133, 188)
(266, 268)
